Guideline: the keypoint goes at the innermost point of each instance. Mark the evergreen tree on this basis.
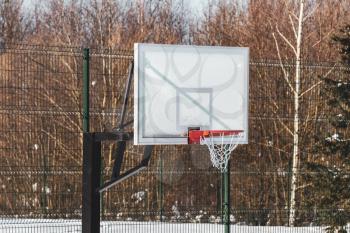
(329, 172)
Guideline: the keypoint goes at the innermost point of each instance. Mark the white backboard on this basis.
(181, 86)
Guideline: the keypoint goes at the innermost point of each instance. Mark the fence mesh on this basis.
(41, 150)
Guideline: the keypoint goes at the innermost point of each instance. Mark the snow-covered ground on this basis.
(71, 226)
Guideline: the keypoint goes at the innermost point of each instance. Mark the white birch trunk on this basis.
(296, 156)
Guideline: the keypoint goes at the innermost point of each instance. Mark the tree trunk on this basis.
(296, 156)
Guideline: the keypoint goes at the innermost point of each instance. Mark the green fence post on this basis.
(227, 199)
(219, 197)
(161, 188)
(86, 76)
(45, 187)
(289, 185)
(222, 191)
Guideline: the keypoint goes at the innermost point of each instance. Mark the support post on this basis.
(91, 184)
(227, 199)
(86, 77)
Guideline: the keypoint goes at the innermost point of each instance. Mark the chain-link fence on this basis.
(41, 150)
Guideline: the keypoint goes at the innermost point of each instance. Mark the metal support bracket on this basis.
(121, 139)
(117, 177)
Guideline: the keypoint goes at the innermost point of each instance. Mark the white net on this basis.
(219, 153)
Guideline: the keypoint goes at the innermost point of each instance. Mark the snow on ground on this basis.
(71, 226)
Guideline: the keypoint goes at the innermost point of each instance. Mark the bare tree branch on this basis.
(285, 76)
(286, 40)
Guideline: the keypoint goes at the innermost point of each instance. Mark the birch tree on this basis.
(297, 23)
(301, 32)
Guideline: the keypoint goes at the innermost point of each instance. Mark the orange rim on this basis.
(194, 136)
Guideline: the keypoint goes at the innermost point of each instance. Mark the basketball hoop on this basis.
(220, 144)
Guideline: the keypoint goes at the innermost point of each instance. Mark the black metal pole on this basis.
(91, 184)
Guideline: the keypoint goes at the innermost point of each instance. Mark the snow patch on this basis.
(176, 211)
(61, 225)
(139, 196)
(334, 137)
(35, 187)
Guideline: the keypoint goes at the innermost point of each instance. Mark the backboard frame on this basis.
(140, 139)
